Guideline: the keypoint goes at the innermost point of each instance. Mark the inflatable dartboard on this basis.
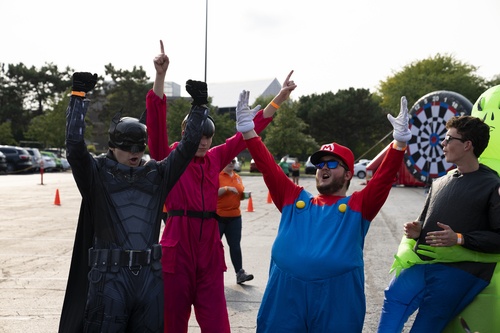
(424, 155)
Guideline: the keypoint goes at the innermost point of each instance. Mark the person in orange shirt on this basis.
(229, 217)
(296, 171)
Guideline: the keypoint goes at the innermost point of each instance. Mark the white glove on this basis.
(400, 124)
(245, 115)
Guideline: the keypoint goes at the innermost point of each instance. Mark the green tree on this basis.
(6, 137)
(350, 117)
(179, 107)
(39, 86)
(286, 134)
(50, 127)
(126, 91)
(495, 81)
(11, 106)
(225, 127)
(441, 72)
(27, 92)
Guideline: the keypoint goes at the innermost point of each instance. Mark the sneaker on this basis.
(242, 276)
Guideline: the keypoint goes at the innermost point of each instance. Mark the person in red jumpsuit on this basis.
(192, 252)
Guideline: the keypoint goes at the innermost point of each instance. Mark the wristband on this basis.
(460, 239)
(395, 146)
(274, 105)
(78, 93)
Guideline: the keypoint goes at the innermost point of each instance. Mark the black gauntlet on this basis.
(198, 91)
(84, 81)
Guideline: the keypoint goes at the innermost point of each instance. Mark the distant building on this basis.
(172, 89)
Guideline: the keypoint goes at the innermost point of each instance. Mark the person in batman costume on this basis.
(115, 282)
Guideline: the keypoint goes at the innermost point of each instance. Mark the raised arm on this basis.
(156, 107)
(401, 132)
(76, 150)
(161, 63)
(283, 95)
(378, 188)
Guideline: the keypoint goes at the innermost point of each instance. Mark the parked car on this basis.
(253, 167)
(3, 163)
(59, 165)
(60, 152)
(65, 164)
(360, 168)
(36, 158)
(237, 164)
(18, 159)
(49, 163)
(310, 168)
(290, 161)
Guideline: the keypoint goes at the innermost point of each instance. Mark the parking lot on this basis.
(37, 239)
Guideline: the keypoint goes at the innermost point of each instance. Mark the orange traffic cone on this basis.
(269, 199)
(57, 201)
(250, 204)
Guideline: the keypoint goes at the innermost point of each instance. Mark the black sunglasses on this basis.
(329, 165)
(449, 138)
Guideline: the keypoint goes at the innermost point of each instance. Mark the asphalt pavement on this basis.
(37, 232)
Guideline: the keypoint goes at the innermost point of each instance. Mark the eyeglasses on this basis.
(233, 161)
(329, 165)
(448, 138)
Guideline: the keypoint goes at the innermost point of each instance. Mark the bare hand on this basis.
(446, 237)
(232, 189)
(288, 87)
(161, 61)
(412, 229)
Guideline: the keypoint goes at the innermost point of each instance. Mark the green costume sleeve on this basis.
(405, 257)
(456, 253)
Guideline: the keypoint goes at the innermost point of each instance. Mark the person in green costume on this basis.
(465, 273)
(482, 314)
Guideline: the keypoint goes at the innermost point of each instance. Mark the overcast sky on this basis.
(330, 44)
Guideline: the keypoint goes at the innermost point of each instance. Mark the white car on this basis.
(237, 165)
(310, 168)
(49, 163)
(36, 158)
(360, 168)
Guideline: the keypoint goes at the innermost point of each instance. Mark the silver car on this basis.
(36, 158)
(49, 163)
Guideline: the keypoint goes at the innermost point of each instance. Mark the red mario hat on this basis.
(334, 149)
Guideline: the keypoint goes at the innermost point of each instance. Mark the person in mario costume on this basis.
(316, 276)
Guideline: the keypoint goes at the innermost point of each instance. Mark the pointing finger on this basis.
(288, 77)
(161, 47)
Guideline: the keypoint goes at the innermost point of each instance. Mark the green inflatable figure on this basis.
(482, 314)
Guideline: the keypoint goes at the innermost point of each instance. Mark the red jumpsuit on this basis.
(192, 252)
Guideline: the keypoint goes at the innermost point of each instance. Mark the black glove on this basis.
(198, 91)
(84, 81)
